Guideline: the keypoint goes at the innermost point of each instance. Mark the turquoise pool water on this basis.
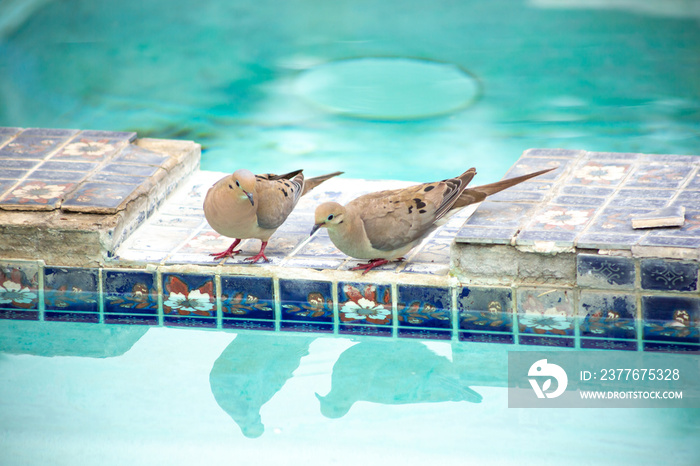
(618, 76)
(92, 394)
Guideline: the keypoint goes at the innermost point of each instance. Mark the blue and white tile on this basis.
(485, 309)
(597, 271)
(19, 290)
(669, 275)
(247, 302)
(189, 300)
(671, 319)
(607, 315)
(545, 312)
(307, 305)
(364, 308)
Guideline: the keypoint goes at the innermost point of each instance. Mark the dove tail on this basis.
(311, 183)
(479, 193)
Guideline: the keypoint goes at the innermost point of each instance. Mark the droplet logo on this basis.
(542, 368)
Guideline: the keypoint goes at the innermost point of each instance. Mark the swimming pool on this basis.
(231, 76)
(606, 76)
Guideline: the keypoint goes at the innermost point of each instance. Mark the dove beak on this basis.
(315, 228)
(250, 197)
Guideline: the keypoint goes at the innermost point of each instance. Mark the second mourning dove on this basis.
(244, 205)
(385, 225)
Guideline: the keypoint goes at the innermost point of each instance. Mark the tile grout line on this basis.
(394, 310)
(277, 299)
(217, 293)
(454, 290)
(100, 296)
(41, 295)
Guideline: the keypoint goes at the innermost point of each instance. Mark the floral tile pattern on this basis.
(545, 312)
(594, 173)
(71, 294)
(32, 147)
(607, 315)
(364, 308)
(671, 319)
(189, 300)
(667, 275)
(485, 309)
(307, 305)
(36, 195)
(95, 195)
(247, 302)
(130, 297)
(19, 295)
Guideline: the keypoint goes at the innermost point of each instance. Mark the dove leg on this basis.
(370, 265)
(227, 253)
(260, 255)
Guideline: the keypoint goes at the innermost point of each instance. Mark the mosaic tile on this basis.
(71, 294)
(593, 173)
(597, 271)
(545, 312)
(561, 342)
(671, 318)
(136, 154)
(53, 175)
(499, 213)
(189, 300)
(605, 344)
(671, 348)
(128, 169)
(36, 195)
(37, 148)
(307, 305)
(247, 302)
(98, 196)
(130, 297)
(19, 295)
(89, 149)
(482, 337)
(607, 315)
(485, 309)
(659, 176)
(425, 307)
(667, 275)
(561, 218)
(364, 303)
(485, 235)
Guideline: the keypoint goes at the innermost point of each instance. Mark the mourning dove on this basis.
(385, 225)
(244, 205)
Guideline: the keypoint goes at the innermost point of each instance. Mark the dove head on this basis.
(328, 214)
(242, 183)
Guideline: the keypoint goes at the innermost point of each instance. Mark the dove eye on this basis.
(238, 184)
(330, 217)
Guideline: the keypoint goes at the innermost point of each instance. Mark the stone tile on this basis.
(425, 307)
(604, 173)
(307, 305)
(34, 148)
(485, 309)
(364, 308)
(98, 197)
(19, 295)
(596, 271)
(656, 175)
(667, 275)
(247, 302)
(36, 195)
(130, 297)
(671, 319)
(545, 312)
(189, 300)
(607, 315)
(71, 294)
